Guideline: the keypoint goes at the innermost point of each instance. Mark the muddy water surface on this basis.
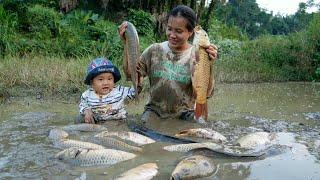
(290, 109)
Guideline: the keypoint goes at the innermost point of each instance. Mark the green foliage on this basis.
(314, 44)
(143, 21)
(218, 31)
(8, 24)
(43, 22)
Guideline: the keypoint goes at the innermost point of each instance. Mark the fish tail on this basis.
(201, 111)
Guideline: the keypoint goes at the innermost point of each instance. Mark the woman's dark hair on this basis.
(185, 12)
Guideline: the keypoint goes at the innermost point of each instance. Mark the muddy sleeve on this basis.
(144, 65)
(83, 105)
(145, 61)
(127, 92)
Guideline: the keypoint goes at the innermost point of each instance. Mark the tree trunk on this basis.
(208, 15)
(200, 10)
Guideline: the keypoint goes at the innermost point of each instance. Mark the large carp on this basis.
(67, 143)
(132, 55)
(84, 127)
(205, 133)
(128, 136)
(142, 172)
(113, 143)
(202, 76)
(193, 167)
(85, 157)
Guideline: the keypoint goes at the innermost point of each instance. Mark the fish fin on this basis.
(211, 84)
(201, 111)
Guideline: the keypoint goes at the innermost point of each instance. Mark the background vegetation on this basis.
(45, 47)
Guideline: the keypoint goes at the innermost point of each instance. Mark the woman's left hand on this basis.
(212, 50)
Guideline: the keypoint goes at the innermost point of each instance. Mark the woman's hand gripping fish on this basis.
(202, 76)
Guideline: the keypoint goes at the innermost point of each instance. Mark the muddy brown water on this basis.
(291, 109)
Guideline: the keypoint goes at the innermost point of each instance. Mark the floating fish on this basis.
(85, 157)
(203, 133)
(129, 136)
(84, 127)
(57, 134)
(256, 139)
(193, 167)
(67, 143)
(142, 172)
(202, 77)
(113, 143)
(132, 55)
(189, 146)
(217, 149)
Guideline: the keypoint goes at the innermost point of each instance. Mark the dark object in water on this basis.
(141, 129)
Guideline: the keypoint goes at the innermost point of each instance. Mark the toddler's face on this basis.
(103, 83)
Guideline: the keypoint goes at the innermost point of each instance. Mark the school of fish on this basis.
(107, 148)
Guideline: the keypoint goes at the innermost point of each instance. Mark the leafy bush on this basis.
(313, 36)
(43, 21)
(218, 31)
(8, 24)
(143, 21)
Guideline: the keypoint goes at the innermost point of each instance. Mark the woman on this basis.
(169, 66)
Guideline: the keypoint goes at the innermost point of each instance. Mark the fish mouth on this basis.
(175, 177)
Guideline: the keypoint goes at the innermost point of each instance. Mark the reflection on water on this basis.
(25, 151)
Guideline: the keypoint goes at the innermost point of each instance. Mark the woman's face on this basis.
(177, 33)
(103, 83)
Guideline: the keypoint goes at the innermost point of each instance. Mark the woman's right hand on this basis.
(122, 29)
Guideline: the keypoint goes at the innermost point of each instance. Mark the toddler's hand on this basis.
(88, 116)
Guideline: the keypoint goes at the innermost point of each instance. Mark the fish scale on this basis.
(129, 136)
(202, 74)
(111, 142)
(66, 143)
(93, 157)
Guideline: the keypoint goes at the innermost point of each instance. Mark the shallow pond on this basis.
(292, 109)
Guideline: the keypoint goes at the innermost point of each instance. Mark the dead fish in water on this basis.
(215, 148)
(132, 55)
(84, 127)
(189, 146)
(203, 133)
(85, 157)
(202, 77)
(56, 134)
(67, 143)
(255, 139)
(129, 136)
(142, 172)
(193, 167)
(114, 144)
